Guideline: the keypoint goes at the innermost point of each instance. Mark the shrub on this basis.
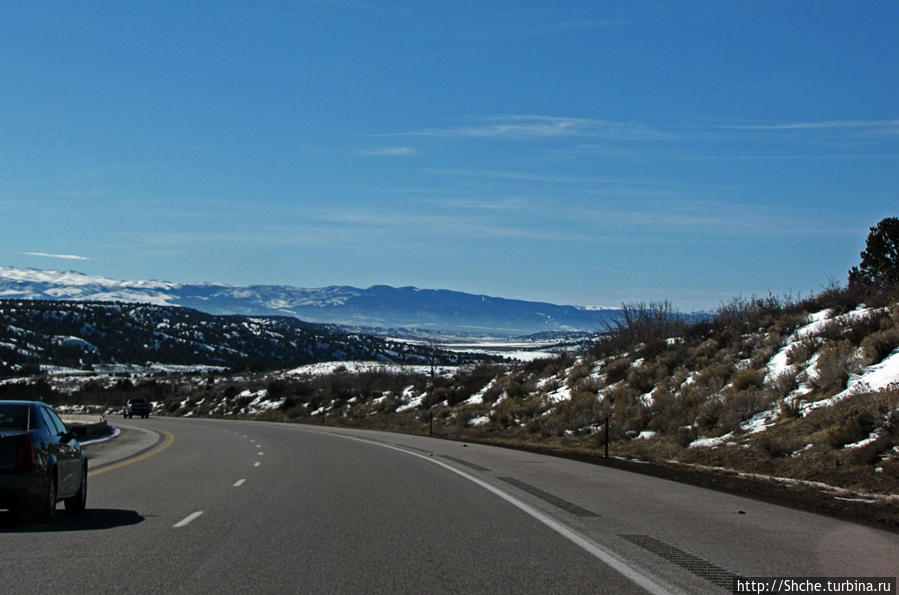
(645, 377)
(746, 379)
(833, 296)
(579, 414)
(870, 453)
(855, 426)
(548, 367)
(709, 414)
(791, 408)
(835, 362)
(579, 371)
(686, 435)
(719, 372)
(616, 370)
(706, 350)
(801, 351)
(276, 389)
(643, 322)
(493, 393)
(779, 446)
(675, 356)
(858, 329)
(749, 314)
(739, 407)
(880, 344)
(784, 383)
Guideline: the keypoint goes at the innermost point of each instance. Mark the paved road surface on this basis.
(220, 506)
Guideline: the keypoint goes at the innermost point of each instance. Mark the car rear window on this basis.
(13, 418)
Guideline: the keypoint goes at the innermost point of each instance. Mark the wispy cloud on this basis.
(530, 126)
(888, 125)
(60, 256)
(390, 151)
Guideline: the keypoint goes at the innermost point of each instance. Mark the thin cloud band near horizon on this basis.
(59, 256)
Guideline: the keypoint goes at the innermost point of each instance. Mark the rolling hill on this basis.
(379, 306)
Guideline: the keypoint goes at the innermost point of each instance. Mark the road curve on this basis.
(214, 505)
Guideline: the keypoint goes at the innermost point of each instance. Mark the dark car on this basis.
(41, 462)
(137, 407)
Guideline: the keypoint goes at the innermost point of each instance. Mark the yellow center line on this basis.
(170, 438)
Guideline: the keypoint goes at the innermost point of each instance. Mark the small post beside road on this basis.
(606, 453)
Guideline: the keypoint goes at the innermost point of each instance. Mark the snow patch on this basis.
(703, 442)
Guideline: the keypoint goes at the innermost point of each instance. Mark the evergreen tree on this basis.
(879, 267)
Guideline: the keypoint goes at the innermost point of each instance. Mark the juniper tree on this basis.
(879, 267)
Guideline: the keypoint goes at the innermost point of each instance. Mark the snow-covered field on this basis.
(524, 351)
(360, 367)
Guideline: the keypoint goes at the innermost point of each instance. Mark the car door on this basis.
(68, 454)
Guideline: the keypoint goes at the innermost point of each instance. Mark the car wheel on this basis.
(45, 510)
(78, 502)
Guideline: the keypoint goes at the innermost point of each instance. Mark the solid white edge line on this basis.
(186, 520)
(599, 552)
(239, 483)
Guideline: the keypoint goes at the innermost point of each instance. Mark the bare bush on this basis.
(645, 377)
(779, 446)
(739, 407)
(801, 351)
(581, 412)
(836, 360)
(749, 314)
(784, 383)
(616, 370)
(578, 372)
(880, 344)
(643, 322)
(745, 379)
(855, 426)
(705, 351)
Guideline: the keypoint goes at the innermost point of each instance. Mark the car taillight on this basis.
(25, 455)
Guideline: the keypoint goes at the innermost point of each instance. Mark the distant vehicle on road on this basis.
(137, 407)
(41, 462)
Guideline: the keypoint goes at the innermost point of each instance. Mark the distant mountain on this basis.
(378, 306)
(82, 335)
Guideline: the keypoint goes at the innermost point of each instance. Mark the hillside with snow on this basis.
(55, 336)
(807, 392)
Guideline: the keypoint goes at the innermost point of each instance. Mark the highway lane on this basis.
(229, 505)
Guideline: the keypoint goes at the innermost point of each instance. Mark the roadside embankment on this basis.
(88, 427)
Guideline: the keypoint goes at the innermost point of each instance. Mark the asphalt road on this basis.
(202, 506)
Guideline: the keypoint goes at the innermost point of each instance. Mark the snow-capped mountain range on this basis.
(379, 306)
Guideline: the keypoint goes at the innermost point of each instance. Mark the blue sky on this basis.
(587, 153)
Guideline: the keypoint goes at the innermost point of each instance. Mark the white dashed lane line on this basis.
(239, 483)
(188, 519)
(257, 464)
